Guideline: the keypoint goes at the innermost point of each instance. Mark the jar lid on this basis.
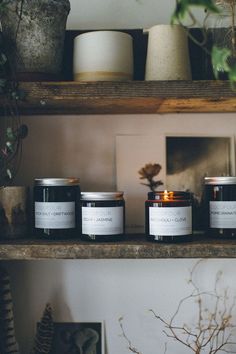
(102, 195)
(56, 182)
(169, 195)
(220, 180)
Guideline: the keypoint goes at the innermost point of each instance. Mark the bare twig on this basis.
(213, 330)
(130, 346)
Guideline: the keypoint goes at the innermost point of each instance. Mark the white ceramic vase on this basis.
(167, 53)
(103, 56)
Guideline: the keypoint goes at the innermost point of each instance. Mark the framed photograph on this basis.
(82, 338)
(191, 158)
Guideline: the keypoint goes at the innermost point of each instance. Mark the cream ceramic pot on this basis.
(103, 56)
(167, 53)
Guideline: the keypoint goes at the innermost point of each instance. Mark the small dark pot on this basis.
(38, 47)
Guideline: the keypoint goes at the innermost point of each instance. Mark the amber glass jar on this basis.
(168, 216)
(56, 207)
(220, 202)
(102, 216)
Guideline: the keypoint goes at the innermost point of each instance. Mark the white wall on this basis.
(84, 146)
(90, 290)
(115, 14)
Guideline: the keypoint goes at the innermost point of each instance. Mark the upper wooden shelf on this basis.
(135, 247)
(126, 97)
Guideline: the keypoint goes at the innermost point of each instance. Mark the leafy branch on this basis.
(220, 55)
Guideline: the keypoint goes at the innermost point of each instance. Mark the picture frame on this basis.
(190, 158)
(78, 337)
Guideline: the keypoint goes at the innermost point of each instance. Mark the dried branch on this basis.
(123, 334)
(212, 332)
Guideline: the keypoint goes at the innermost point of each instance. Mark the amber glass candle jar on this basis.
(102, 216)
(56, 207)
(168, 216)
(220, 202)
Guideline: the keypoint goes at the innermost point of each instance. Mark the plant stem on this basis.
(232, 4)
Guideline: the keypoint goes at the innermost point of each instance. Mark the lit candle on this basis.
(168, 216)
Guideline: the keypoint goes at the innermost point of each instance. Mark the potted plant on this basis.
(34, 31)
(223, 52)
(13, 200)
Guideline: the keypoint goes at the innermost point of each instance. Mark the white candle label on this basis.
(223, 215)
(170, 221)
(102, 220)
(54, 215)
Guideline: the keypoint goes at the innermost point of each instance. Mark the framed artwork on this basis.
(82, 338)
(191, 158)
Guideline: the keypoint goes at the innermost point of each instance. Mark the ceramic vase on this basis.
(167, 53)
(103, 56)
(37, 49)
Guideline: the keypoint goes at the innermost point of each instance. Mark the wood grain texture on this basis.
(135, 247)
(126, 97)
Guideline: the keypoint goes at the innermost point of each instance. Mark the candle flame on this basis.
(168, 195)
(165, 196)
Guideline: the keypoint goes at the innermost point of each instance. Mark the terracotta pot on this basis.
(38, 47)
(13, 212)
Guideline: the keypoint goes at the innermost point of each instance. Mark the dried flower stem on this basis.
(213, 330)
(130, 346)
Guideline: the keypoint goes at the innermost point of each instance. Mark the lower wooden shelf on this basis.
(134, 247)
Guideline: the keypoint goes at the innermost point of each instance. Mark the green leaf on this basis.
(219, 58)
(10, 146)
(9, 174)
(184, 6)
(3, 59)
(232, 77)
(10, 134)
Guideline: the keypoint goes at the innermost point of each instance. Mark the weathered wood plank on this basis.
(127, 97)
(135, 247)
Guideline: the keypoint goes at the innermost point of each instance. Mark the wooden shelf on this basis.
(135, 247)
(126, 97)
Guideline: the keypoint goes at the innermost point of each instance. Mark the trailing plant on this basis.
(12, 130)
(221, 55)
